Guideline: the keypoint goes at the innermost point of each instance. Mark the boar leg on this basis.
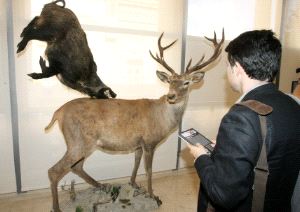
(46, 71)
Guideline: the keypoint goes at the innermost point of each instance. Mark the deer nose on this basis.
(171, 96)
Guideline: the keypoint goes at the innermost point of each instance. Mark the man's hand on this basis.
(196, 151)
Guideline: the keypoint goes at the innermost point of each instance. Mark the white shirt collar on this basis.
(244, 94)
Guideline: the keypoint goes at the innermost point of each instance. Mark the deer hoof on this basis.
(56, 210)
(158, 201)
(105, 187)
(134, 185)
(156, 198)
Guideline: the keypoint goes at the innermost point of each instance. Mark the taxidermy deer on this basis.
(124, 125)
(296, 91)
(68, 53)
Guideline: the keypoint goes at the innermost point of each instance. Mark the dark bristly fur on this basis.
(67, 51)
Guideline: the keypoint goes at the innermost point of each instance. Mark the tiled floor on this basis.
(178, 191)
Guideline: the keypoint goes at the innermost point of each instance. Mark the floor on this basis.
(178, 190)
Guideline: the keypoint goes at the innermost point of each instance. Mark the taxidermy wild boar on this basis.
(68, 53)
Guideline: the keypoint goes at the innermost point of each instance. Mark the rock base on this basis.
(113, 198)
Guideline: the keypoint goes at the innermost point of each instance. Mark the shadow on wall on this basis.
(289, 63)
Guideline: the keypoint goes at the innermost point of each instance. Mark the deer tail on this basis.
(54, 118)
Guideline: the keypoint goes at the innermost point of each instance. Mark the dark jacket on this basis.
(227, 176)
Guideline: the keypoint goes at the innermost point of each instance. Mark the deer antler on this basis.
(199, 65)
(160, 59)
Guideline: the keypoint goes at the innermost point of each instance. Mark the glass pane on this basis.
(206, 16)
(129, 14)
(7, 172)
(120, 34)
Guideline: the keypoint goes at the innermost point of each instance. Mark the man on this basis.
(227, 175)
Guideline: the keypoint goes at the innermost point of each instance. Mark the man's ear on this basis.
(197, 76)
(163, 76)
(238, 68)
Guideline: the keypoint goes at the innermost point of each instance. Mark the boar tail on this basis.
(62, 1)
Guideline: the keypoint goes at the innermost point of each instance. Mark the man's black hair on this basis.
(258, 52)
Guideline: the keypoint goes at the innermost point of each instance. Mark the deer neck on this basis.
(174, 112)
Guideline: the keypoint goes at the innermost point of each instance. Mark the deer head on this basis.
(180, 83)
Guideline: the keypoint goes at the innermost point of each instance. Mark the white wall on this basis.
(291, 45)
(7, 173)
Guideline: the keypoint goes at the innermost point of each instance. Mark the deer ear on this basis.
(197, 76)
(163, 76)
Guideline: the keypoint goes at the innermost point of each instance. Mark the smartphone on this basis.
(193, 137)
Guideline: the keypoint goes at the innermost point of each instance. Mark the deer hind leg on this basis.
(137, 161)
(56, 173)
(78, 169)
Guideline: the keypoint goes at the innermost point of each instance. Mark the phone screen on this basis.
(193, 137)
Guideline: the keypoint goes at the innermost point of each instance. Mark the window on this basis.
(7, 173)
(120, 34)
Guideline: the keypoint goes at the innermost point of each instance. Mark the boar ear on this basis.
(163, 76)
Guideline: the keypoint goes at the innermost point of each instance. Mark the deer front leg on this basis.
(137, 161)
(148, 166)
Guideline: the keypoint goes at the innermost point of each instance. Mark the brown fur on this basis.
(116, 125)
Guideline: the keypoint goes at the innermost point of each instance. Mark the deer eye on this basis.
(186, 83)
